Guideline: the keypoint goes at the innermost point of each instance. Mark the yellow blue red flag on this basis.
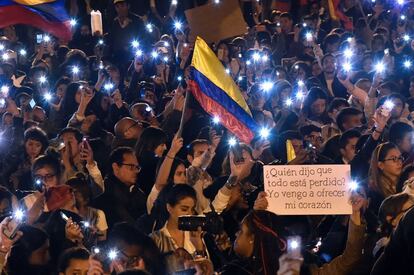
(47, 15)
(217, 93)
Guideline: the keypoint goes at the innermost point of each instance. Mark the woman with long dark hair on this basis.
(315, 107)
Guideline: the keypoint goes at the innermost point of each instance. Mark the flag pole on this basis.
(186, 100)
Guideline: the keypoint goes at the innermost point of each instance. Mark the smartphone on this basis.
(64, 216)
(39, 38)
(294, 246)
(237, 153)
(14, 226)
(32, 103)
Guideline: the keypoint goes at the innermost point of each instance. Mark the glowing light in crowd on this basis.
(406, 37)
(388, 104)
(294, 244)
(227, 70)
(296, 67)
(348, 53)
(154, 54)
(5, 56)
(347, 67)
(288, 102)
(256, 56)
(86, 224)
(300, 95)
(301, 83)
(135, 44)
(108, 86)
(112, 254)
(309, 36)
(266, 86)
(379, 67)
(138, 53)
(23, 52)
(264, 132)
(240, 78)
(101, 65)
(217, 1)
(42, 79)
(248, 62)
(2, 102)
(149, 27)
(75, 70)
(179, 78)
(38, 182)
(47, 96)
(5, 90)
(46, 38)
(232, 141)
(165, 58)
(166, 44)
(216, 119)
(407, 64)
(96, 250)
(148, 109)
(403, 17)
(2, 47)
(18, 214)
(353, 185)
(265, 58)
(400, 2)
(100, 42)
(178, 25)
(174, 2)
(73, 22)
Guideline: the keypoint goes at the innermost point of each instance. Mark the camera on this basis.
(211, 223)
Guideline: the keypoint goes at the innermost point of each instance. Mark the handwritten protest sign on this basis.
(214, 22)
(308, 189)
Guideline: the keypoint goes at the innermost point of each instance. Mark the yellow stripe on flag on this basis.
(206, 62)
(332, 12)
(290, 151)
(33, 2)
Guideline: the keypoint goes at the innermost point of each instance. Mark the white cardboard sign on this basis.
(308, 189)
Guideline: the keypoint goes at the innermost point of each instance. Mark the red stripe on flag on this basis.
(226, 119)
(11, 15)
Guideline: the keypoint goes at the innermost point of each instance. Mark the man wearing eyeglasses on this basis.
(123, 200)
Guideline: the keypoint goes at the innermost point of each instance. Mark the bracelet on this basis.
(169, 156)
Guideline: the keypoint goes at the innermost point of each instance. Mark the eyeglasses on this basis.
(395, 159)
(132, 166)
(44, 178)
(130, 261)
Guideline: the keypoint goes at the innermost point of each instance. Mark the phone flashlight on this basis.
(149, 27)
(73, 22)
(348, 53)
(75, 70)
(46, 38)
(294, 246)
(135, 44)
(379, 67)
(154, 54)
(288, 102)
(407, 64)
(353, 185)
(266, 86)
(23, 52)
(178, 25)
(5, 90)
(47, 96)
(264, 132)
(216, 119)
(232, 141)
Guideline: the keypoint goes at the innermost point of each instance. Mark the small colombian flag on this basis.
(217, 93)
(47, 15)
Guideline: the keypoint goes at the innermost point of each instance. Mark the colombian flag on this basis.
(336, 14)
(217, 93)
(47, 15)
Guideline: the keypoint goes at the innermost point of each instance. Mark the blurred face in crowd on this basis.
(411, 89)
(76, 266)
(40, 256)
(297, 145)
(180, 175)
(332, 47)
(185, 206)
(348, 152)
(47, 175)
(318, 107)
(87, 123)
(367, 64)
(33, 148)
(39, 115)
(244, 243)
(316, 69)
(10, 33)
(329, 65)
(392, 163)
(70, 141)
(198, 150)
(405, 144)
(127, 171)
(122, 9)
(61, 90)
(352, 121)
(315, 138)
(132, 129)
(5, 207)
(286, 24)
(398, 108)
(7, 120)
(377, 45)
(130, 256)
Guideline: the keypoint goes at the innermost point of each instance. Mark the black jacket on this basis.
(120, 202)
(337, 88)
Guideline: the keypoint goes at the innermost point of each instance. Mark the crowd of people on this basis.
(98, 177)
